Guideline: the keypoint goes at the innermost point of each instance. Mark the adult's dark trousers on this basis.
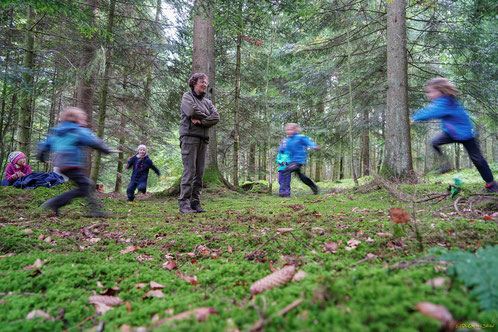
(472, 149)
(193, 151)
(284, 180)
(296, 168)
(130, 191)
(86, 188)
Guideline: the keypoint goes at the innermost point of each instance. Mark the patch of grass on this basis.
(342, 291)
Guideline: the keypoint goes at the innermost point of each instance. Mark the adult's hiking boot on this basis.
(197, 208)
(187, 209)
(492, 187)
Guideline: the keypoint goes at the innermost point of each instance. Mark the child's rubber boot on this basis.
(49, 205)
(197, 208)
(492, 187)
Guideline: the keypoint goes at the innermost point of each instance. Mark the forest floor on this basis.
(149, 267)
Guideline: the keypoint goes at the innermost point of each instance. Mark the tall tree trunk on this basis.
(365, 146)
(236, 139)
(341, 168)
(252, 162)
(203, 61)
(25, 112)
(119, 171)
(94, 175)
(398, 145)
(84, 99)
(351, 140)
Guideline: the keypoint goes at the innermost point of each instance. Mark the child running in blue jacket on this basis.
(297, 145)
(456, 126)
(68, 140)
(140, 163)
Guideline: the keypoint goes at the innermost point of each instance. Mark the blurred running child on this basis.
(68, 141)
(455, 124)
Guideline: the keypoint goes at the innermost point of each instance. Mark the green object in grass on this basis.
(455, 188)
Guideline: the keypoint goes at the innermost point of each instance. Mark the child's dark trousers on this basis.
(284, 179)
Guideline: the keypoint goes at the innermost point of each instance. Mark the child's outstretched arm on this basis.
(436, 109)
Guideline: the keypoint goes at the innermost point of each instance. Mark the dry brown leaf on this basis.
(371, 256)
(199, 313)
(437, 282)
(145, 258)
(94, 240)
(191, 280)
(41, 237)
(128, 249)
(284, 230)
(128, 306)
(48, 239)
(27, 231)
(331, 246)
(141, 285)
(155, 285)
(384, 234)
(154, 293)
(125, 328)
(229, 249)
(299, 275)
(110, 291)
(399, 216)
(169, 265)
(36, 265)
(101, 308)
(438, 312)
(107, 300)
(38, 314)
(275, 279)
(353, 243)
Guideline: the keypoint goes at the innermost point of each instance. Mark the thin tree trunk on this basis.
(25, 111)
(119, 170)
(236, 139)
(252, 162)
(94, 175)
(365, 147)
(351, 140)
(398, 145)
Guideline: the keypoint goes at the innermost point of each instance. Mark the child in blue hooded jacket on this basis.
(297, 145)
(141, 163)
(68, 141)
(284, 179)
(456, 126)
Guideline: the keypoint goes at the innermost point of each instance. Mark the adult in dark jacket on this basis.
(140, 163)
(198, 115)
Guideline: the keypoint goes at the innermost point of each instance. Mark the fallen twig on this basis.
(290, 307)
(455, 205)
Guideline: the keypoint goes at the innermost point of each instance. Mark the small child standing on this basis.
(455, 124)
(68, 140)
(141, 164)
(284, 179)
(16, 168)
(298, 145)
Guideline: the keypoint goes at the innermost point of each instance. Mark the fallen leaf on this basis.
(371, 256)
(110, 291)
(94, 240)
(275, 279)
(38, 314)
(284, 230)
(107, 300)
(27, 230)
(141, 285)
(101, 308)
(169, 265)
(41, 237)
(353, 243)
(155, 285)
(36, 265)
(191, 280)
(128, 249)
(487, 217)
(154, 293)
(399, 216)
(128, 306)
(436, 311)
(48, 239)
(437, 282)
(331, 246)
(299, 275)
(229, 249)
(384, 234)
(199, 313)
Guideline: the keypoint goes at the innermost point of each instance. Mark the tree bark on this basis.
(398, 158)
(236, 139)
(25, 111)
(94, 175)
(365, 146)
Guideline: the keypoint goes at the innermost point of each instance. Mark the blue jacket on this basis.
(297, 146)
(68, 140)
(454, 120)
(141, 169)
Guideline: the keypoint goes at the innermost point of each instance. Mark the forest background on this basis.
(323, 64)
